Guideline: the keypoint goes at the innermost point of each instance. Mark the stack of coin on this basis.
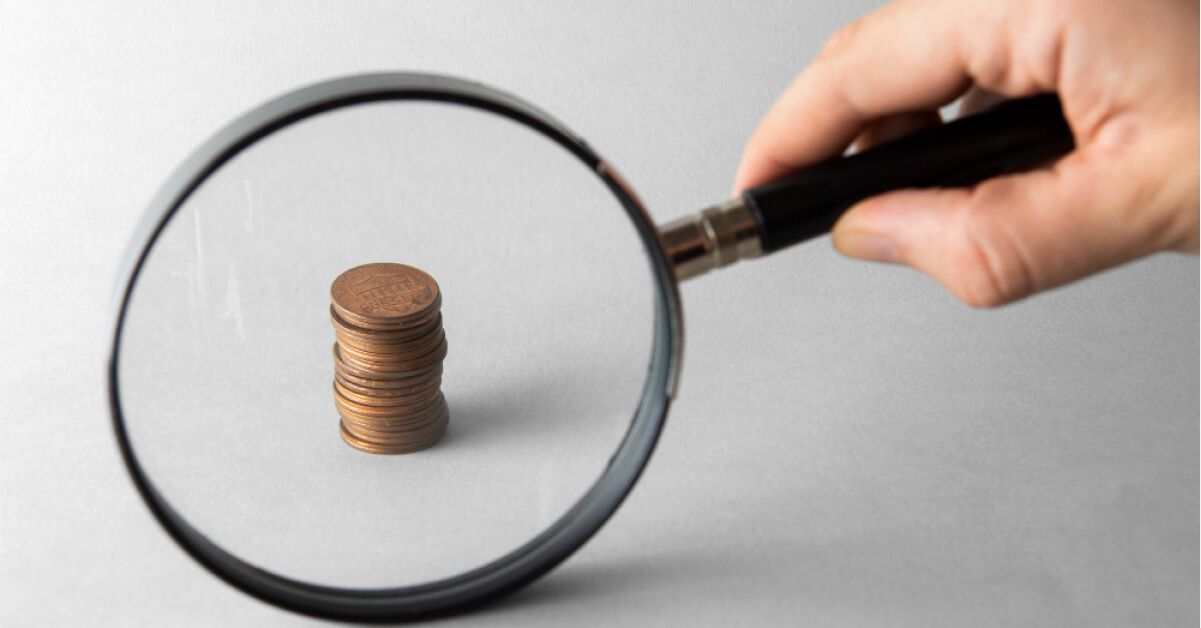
(388, 358)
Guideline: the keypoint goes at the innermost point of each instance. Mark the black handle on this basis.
(1014, 135)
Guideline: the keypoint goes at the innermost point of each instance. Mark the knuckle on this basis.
(980, 291)
(840, 41)
(991, 267)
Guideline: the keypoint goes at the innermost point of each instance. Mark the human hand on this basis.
(1127, 74)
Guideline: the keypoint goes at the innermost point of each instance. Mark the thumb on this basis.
(1007, 237)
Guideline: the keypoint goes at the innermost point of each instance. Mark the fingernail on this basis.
(869, 246)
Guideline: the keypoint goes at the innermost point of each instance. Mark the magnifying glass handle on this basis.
(1012, 136)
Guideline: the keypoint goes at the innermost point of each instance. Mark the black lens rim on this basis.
(524, 564)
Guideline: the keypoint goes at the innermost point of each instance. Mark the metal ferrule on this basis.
(716, 237)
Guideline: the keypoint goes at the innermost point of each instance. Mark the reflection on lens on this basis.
(225, 365)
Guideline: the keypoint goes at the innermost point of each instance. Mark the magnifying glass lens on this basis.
(226, 372)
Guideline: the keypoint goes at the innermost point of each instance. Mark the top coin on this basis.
(385, 292)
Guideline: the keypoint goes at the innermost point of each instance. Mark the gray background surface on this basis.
(850, 446)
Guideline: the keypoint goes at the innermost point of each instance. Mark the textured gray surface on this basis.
(850, 445)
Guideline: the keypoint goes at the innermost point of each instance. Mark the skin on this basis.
(1127, 74)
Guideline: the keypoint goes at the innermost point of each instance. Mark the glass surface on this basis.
(225, 365)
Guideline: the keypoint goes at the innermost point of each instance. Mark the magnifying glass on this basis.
(559, 308)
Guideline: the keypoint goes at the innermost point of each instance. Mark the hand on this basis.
(1127, 74)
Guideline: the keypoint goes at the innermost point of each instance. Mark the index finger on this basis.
(908, 56)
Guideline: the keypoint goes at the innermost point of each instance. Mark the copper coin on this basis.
(364, 445)
(411, 430)
(397, 410)
(388, 379)
(386, 345)
(405, 363)
(395, 433)
(408, 440)
(384, 393)
(393, 326)
(363, 371)
(370, 399)
(397, 386)
(400, 434)
(345, 328)
(370, 447)
(389, 350)
(384, 405)
(394, 423)
(411, 405)
(398, 423)
(427, 309)
(388, 358)
(394, 384)
(384, 293)
(384, 370)
(369, 353)
(396, 428)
